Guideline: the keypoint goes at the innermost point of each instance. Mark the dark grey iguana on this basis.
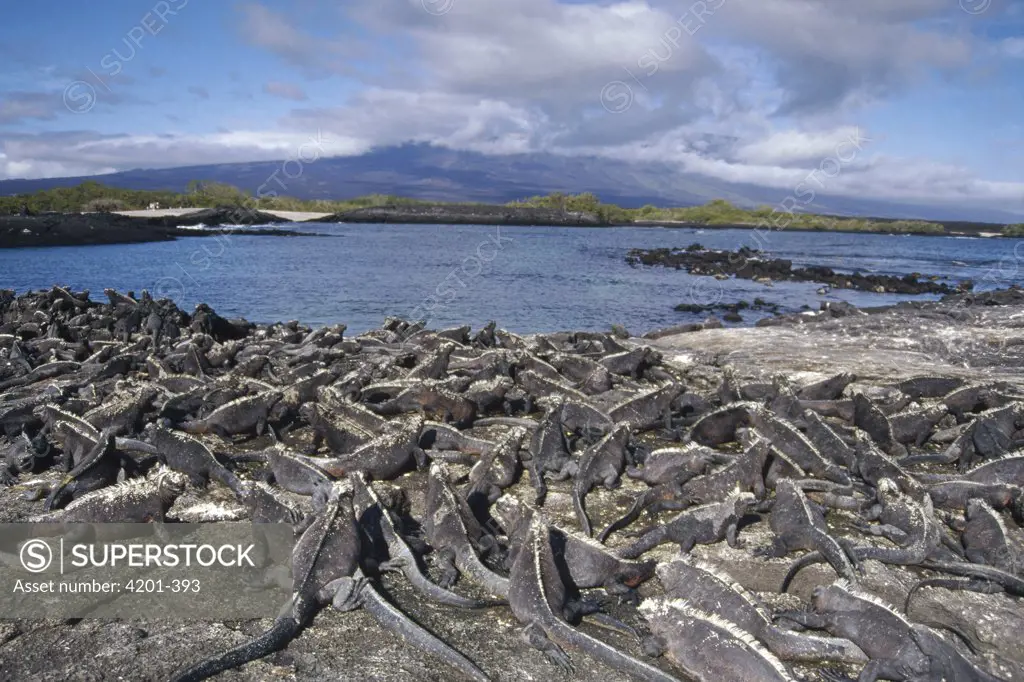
(675, 464)
(828, 442)
(708, 588)
(796, 446)
(826, 389)
(456, 535)
(898, 649)
(97, 469)
(23, 455)
(648, 409)
(538, 598)
(745, 470)
(549, 452)
(907, 522)
(433, 400)
(374, 515)
(241, 416)
(189, 455)
(719, 427)
(138, 500)
(707, 524)
(124, 413)
(325, 570)
(386, 456)
(868, 417)
(590, 377)
(600, 464)
(341, 435)
(582, 562)
(706, 646)
(496, 470)
(798, 524)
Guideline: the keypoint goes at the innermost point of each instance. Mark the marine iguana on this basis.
(549, 452)
(916, 426)
(745, 470)
(23, 455)
(828, 442)
(539, 386)
(708, 588)
(582, 562)
(189, 455)
(538, 599)
(97, 469)
(987, 541)
(830, 388)
(384, 457)
(443, 437)
(719, 427)
(872, 466)
(455, 534)
(601, 463)
(707, 524)
(124, 414)
(957, 495)
(75, 435)
(435, 365)
(325, 569)
(631, 362)
(496, 470)
(647, 409)
(868, 417)
(342, 436)
(908, 522)
(241, 416)
(589, 376)
(796, 446)
(374, 516)
(798, 524)
(988, 436)
(353, 412)
(706, 646)
(897, 648)
(676, 464)
(929, 386)
(137, 500)
(433, 400)
(490, 394)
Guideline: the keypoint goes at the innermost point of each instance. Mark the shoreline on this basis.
(92, 229)
(125, 227)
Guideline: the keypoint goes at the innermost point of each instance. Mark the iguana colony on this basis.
(569, 481)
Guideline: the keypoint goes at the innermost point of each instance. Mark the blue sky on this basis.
(755, 91)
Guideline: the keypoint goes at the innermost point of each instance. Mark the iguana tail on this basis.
(1007, 581)
(644, 500)
(276, 638)
(564, 634)
(578, 501)
(806, 560)
(397, 622)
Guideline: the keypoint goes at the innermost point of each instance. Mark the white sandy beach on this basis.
(161, 212)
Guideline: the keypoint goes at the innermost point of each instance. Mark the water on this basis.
(526, 278)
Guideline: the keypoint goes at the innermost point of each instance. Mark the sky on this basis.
(917, 100)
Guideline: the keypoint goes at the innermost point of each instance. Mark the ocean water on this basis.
(527, 279)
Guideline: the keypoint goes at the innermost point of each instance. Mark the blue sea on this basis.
(527, 279)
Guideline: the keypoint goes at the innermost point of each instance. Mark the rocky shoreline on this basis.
(746, 263)
(80, 229)
(467, 215)
(500, 451)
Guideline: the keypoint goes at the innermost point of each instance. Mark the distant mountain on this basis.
(427, 172)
